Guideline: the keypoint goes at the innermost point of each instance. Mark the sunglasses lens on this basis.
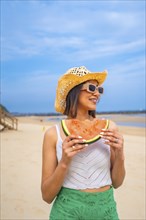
(100, 90)
(92, 88)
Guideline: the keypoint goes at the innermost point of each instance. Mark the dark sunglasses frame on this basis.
(92, 88)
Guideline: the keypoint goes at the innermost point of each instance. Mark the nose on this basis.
(96, 93)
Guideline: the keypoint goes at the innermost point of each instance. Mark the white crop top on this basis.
(89, 168)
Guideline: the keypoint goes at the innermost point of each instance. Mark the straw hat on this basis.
(72, 78)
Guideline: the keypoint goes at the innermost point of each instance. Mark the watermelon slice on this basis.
(88, 130)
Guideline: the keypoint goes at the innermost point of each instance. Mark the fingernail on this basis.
(86, 145)
(79, 137)
(101, 133)
(103, 129)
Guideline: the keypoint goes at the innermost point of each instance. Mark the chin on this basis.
(92, 109)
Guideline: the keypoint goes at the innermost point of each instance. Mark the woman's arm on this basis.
(116, 142)
(117, 168)
(53, 173)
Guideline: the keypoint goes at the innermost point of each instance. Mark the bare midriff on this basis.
(101, 189)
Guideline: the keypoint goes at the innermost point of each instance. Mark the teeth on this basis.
(93, 100)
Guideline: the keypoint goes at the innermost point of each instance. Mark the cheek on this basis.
(83, 100)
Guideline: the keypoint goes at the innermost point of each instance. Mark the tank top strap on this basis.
(58, 132)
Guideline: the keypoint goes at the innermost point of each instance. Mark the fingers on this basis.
(70, 138)
(73, 140)
(78, 147)
(74, 143)
(112, 138)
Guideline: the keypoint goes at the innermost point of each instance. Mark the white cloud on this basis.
(82, 49)
(53, 28)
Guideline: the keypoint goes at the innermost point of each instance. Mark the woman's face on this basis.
(87, 100)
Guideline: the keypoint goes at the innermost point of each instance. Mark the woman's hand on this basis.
(71, 146)
(114, 139)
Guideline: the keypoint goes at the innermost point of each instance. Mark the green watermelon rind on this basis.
(90, 141)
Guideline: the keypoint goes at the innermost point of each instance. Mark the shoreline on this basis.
(55, 114)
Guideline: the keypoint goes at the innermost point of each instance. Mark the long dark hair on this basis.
(72, 102)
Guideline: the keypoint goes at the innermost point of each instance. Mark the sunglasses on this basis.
(92, 88)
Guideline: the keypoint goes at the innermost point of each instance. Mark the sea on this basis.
(133, 120)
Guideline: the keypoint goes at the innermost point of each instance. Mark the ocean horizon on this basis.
(139, 122)
(129, 112)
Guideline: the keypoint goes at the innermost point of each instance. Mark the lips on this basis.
(93, 100)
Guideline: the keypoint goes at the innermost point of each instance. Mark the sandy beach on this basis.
(21, 155)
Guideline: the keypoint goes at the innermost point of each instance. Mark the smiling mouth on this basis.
(93, 100)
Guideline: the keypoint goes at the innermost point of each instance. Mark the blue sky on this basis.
(41, 40)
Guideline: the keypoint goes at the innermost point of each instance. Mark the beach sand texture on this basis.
(21, 154)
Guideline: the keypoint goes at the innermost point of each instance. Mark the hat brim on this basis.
(69, 81)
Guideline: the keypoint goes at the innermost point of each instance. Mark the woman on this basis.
(81, 176)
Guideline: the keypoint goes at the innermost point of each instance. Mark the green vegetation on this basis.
(2, 107)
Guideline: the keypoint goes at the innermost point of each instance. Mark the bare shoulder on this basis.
(50, 136)
(50, 132)
(113, 125)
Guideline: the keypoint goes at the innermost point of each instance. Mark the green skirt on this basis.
(73, 204)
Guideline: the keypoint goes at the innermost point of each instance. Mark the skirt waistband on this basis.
(81, 194)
